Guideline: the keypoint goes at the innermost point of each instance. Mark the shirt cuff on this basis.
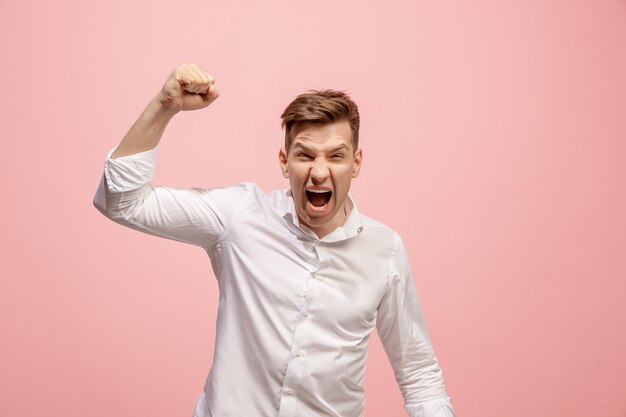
(437, 408)
(129, 172)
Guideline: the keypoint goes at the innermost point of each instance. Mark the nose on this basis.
(319, 172)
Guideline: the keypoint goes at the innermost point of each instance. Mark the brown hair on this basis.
(320, 107)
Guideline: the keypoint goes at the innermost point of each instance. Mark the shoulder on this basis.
(253, 188)
(398, 261)
(380, 236)
(242, 190)
(278, 197)
(255, 199)
(383, 231)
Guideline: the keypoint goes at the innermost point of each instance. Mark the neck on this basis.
(343, 214)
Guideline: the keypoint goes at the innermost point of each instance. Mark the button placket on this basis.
(295, 366)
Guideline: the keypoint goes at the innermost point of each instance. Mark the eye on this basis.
(304, 155)
(337, 156)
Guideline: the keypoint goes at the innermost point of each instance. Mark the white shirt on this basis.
(295, 312)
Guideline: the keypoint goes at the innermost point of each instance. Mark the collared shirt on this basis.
(295, 312)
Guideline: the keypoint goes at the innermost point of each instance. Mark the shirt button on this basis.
(313, 275)
(306, 313)
(290, 392)
(298, 353)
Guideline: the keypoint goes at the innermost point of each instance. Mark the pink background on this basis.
(494, 142)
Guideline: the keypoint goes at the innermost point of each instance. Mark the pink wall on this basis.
(494, 141)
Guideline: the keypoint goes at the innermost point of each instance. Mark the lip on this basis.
(318, 189)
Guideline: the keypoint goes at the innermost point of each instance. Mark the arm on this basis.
(404, 335)
(125, 195)
(187, 88)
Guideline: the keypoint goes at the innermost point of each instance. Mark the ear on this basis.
(358, 159)
(282, 160)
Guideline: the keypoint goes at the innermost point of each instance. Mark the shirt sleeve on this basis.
(198, 216)
(402, 329)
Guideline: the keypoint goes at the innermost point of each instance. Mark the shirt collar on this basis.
(351, 227)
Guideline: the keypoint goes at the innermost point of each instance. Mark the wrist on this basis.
(164, 108)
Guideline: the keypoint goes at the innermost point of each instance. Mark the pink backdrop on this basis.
(494, 142)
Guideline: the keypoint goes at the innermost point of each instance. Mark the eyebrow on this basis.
(299, 145)
(339, 148)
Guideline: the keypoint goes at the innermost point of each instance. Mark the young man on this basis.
(304, 277)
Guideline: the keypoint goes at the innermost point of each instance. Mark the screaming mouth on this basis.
(319, 198)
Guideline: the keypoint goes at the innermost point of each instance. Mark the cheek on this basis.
(295, 179)
(299, 173)
(342, 175)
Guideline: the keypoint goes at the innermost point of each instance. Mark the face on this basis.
(320, 166)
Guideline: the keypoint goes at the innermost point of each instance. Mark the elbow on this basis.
(104, 202)
(100, 205)
(100, 198)
(119, 206)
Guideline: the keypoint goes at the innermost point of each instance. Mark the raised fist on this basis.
(188, 88)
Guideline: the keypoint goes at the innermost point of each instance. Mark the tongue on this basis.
(317, 199)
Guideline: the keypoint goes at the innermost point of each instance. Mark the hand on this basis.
(188, 88)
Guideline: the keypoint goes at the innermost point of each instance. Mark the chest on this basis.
(278, 271)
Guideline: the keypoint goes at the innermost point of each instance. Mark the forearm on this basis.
(402, 328)
(146, 132)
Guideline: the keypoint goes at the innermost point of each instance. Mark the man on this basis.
(304, 278)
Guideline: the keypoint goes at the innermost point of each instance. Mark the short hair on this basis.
(320, 107)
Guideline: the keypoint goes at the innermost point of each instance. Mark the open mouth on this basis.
(318, 198)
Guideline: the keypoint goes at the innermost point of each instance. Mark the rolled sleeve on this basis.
(404, 335)
(437, 408)
(129, 172)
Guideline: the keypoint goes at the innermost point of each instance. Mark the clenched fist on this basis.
(188, 88)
